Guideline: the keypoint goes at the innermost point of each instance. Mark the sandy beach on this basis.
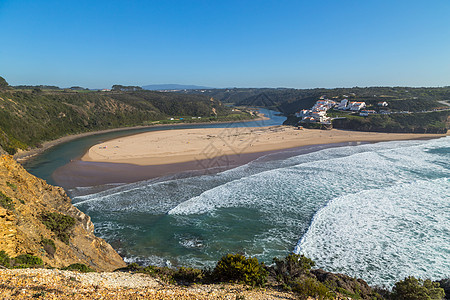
(184, 145)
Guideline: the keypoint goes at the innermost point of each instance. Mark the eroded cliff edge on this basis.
(24, 200)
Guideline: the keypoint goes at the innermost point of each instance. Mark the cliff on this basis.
(30, 210)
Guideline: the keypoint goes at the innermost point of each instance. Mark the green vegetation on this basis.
(433, 122)
(6, 202)
(58, 223)
(20, 261)
(79, 267)
(238, 268)
(310, 287)
(412, 288)
(230, 268)
(123, 88)
(291, 268)
(26, 261)
(180, 276)
(3, 83)
(49, 246)
(11, 185)
(4, 259)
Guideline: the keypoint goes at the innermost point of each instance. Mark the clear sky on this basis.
(276, 43)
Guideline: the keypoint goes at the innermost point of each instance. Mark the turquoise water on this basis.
(375, 211)
(380, 212)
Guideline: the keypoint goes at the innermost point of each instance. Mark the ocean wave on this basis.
(385, 234)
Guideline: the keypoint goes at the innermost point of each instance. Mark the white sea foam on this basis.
(331, 175)
(386, 234)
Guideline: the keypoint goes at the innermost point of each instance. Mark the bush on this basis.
(189, 275)
(59, 224)
(237, 268)
(6, 202)
(49, 246)
(291, 268)
(445, 284)
(11, 185)
(164, 273)
(79, 267)
(310, 287)
(412, 288)
(27, 261)
(4, 259)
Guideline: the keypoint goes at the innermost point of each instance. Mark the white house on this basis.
(357, 106)
(303, 113)
(343, 104)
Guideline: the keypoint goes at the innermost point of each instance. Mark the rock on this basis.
(21, 229)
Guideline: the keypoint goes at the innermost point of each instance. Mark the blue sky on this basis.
(300, 44)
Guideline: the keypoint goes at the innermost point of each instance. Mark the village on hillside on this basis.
(318, 113)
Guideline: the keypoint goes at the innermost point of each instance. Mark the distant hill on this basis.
(158, 87)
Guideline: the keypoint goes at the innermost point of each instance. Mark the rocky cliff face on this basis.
(24, 200)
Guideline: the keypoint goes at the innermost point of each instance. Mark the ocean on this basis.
(379, 211)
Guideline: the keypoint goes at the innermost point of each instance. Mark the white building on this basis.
(357, 106)
(303, 113)
(343, 105)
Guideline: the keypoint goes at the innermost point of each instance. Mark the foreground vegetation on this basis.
(293, 273)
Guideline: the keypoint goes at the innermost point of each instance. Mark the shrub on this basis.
(79, 267)
(4, 259)
(6, 202)
(27, 261)
(131, 267)
(49, 246)
(412, 288)
(238, 268)
(310, 287)
(189, 275)
(291, 268)
(59, 224)
(11, 185)
(445, 284)
(164, 273)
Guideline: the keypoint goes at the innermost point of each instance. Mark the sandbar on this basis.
(185, 145)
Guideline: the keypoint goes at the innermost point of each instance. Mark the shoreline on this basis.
(80, 173)
(23, 156)
(187, 145)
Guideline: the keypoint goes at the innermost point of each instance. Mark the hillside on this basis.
(288, 101)
(39, 219)
(414, 110)
(30, 117)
